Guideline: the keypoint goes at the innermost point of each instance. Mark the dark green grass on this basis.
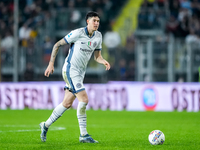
(115, 130)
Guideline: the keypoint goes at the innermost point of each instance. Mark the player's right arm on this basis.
(50, 67)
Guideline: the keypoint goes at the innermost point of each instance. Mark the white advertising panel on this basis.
(131, 96)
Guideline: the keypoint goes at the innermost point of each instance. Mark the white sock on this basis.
(57, 113)
(82, 118)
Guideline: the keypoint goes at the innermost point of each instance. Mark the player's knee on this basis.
(67, 105)
(84, 100)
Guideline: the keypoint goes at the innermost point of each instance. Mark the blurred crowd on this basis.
(184, 20)
(152, 14)
(178, 20)
(122, 60)
(181, 18)
(35, 13)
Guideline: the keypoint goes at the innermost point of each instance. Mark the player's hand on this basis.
(49, 70)
(107, 65)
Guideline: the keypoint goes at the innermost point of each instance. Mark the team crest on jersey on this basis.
(95, 44)
(78, 85)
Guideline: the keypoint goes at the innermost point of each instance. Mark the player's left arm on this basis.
(98, 58)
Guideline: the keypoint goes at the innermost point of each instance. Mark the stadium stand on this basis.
(162, 31)
(41, 23)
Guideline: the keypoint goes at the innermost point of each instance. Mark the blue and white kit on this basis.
(81, 49)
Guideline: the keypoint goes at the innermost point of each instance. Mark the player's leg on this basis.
(57, 113)
(82, 118)
(81, 111)
(61, 108)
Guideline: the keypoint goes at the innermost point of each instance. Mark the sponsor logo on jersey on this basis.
(82, 42)
(86, 50)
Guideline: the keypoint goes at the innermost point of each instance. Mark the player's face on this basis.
(93, 23)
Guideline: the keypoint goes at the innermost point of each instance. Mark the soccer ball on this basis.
(156, 137)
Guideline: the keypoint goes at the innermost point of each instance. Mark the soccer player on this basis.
(83, 42)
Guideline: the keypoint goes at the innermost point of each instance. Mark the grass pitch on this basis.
(115, 130)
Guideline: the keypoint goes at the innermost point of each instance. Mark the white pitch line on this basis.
(31, 130)
(14, 126)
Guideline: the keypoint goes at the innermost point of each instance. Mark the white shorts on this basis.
(74, 81)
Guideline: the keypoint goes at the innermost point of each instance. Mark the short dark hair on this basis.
(91, 14)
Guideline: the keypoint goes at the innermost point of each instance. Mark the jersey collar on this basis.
(86, 31)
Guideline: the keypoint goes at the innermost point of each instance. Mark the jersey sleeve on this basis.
(72, 36)
(99, 46)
